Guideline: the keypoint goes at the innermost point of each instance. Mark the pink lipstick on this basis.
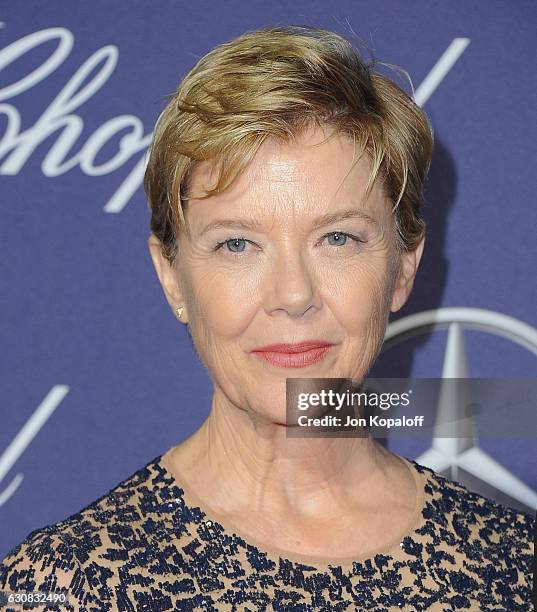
(297, 355)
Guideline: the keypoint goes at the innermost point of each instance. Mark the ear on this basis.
(167, 275)
(408, 266)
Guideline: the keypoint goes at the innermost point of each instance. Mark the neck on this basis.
(243, 462)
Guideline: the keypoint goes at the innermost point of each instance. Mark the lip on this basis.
(298, 355)
(293, 360)
(298, 347)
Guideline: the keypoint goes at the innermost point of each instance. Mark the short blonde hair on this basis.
(275, 82)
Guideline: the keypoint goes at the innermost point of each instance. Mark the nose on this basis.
(292, 285)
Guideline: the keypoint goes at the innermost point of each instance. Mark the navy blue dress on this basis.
(148, 545)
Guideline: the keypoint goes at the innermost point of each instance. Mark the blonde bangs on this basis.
(274, 83)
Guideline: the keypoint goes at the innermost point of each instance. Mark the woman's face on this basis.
(291, 252)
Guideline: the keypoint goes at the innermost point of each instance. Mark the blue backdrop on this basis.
(98, 377)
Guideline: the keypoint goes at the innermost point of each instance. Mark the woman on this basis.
(284, 182)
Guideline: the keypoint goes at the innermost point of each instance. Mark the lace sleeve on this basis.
(44, 563)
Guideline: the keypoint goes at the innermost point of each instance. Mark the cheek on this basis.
(357, 294)
(222, 301)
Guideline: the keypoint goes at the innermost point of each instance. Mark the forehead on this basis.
(318, 172)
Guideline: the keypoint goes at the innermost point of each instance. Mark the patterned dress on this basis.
(148, 545)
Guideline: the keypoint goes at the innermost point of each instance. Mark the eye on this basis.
(238, 245)
(234, 245)
(340, 238)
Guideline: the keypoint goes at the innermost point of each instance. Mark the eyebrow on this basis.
(327, 219)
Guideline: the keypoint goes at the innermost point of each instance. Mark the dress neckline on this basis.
(392, 548)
